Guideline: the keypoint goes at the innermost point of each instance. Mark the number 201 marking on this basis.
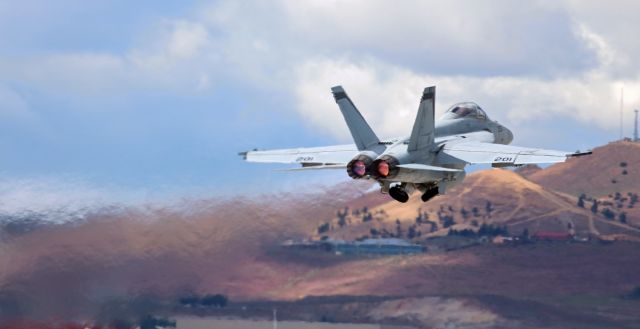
(503, 159)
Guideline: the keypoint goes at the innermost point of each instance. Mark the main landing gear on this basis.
(401, 192)
(398, 194)
(429, 194)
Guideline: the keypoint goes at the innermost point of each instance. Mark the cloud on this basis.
(388, 95)
(172, 59)
(227, 40)
(187, 39)
(522, 62)
(177, 83)
(455, 37)
(610, 26)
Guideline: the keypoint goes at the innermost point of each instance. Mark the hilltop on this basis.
(611, 168)
(496, 196)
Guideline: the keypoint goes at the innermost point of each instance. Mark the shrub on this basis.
(635, 293)
(608, 214)
(215, 300)
(622, 217)
(324, 228)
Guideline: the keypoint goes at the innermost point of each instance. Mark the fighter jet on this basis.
(431, 160)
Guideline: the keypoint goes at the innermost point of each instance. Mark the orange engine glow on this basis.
(383, 168)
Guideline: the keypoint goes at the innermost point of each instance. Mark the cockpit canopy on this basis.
(465, 110)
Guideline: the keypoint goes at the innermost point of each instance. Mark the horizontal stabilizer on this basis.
(320, 167)
(418, 166)
(310, 155)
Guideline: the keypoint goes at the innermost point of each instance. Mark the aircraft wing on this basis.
(501, 155)
(307, 157)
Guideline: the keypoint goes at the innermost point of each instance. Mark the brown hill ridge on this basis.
(232, 247)
(495, 196)
(611, 168)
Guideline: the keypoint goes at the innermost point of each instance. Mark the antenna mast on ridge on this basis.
(635, 128)
(621, 110)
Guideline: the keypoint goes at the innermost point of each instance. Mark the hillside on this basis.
(201, 245)
(611, 168)
(497, 196)
(232, 247)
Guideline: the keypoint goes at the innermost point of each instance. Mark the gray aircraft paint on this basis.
(431, 159)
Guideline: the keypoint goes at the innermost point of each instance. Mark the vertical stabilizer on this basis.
(424, 126)
(362, 134)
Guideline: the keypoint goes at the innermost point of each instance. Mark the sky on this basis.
(120, 101)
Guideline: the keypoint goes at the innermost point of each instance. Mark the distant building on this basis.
(504, 239)
(376, 246)
(369, 246)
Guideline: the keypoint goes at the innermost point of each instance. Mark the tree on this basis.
(525, 234)
(491, 230)
(635, 293)
(434, 226)
(324, 228)
(367, 218)
(594, 206)
(633, 198)
(488, 208)
(191, 300)
(149, 322)
(411, 233)
(374, 232)
(398, 228)
(342, 217)
(448, 221)
(581, 200)
(623, 217)
(419, 218)
(423, 217)
(215, 300)
(608, 214)
(464, 213)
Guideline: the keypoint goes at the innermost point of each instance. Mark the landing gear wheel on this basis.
(429, 194)
(399, 194)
